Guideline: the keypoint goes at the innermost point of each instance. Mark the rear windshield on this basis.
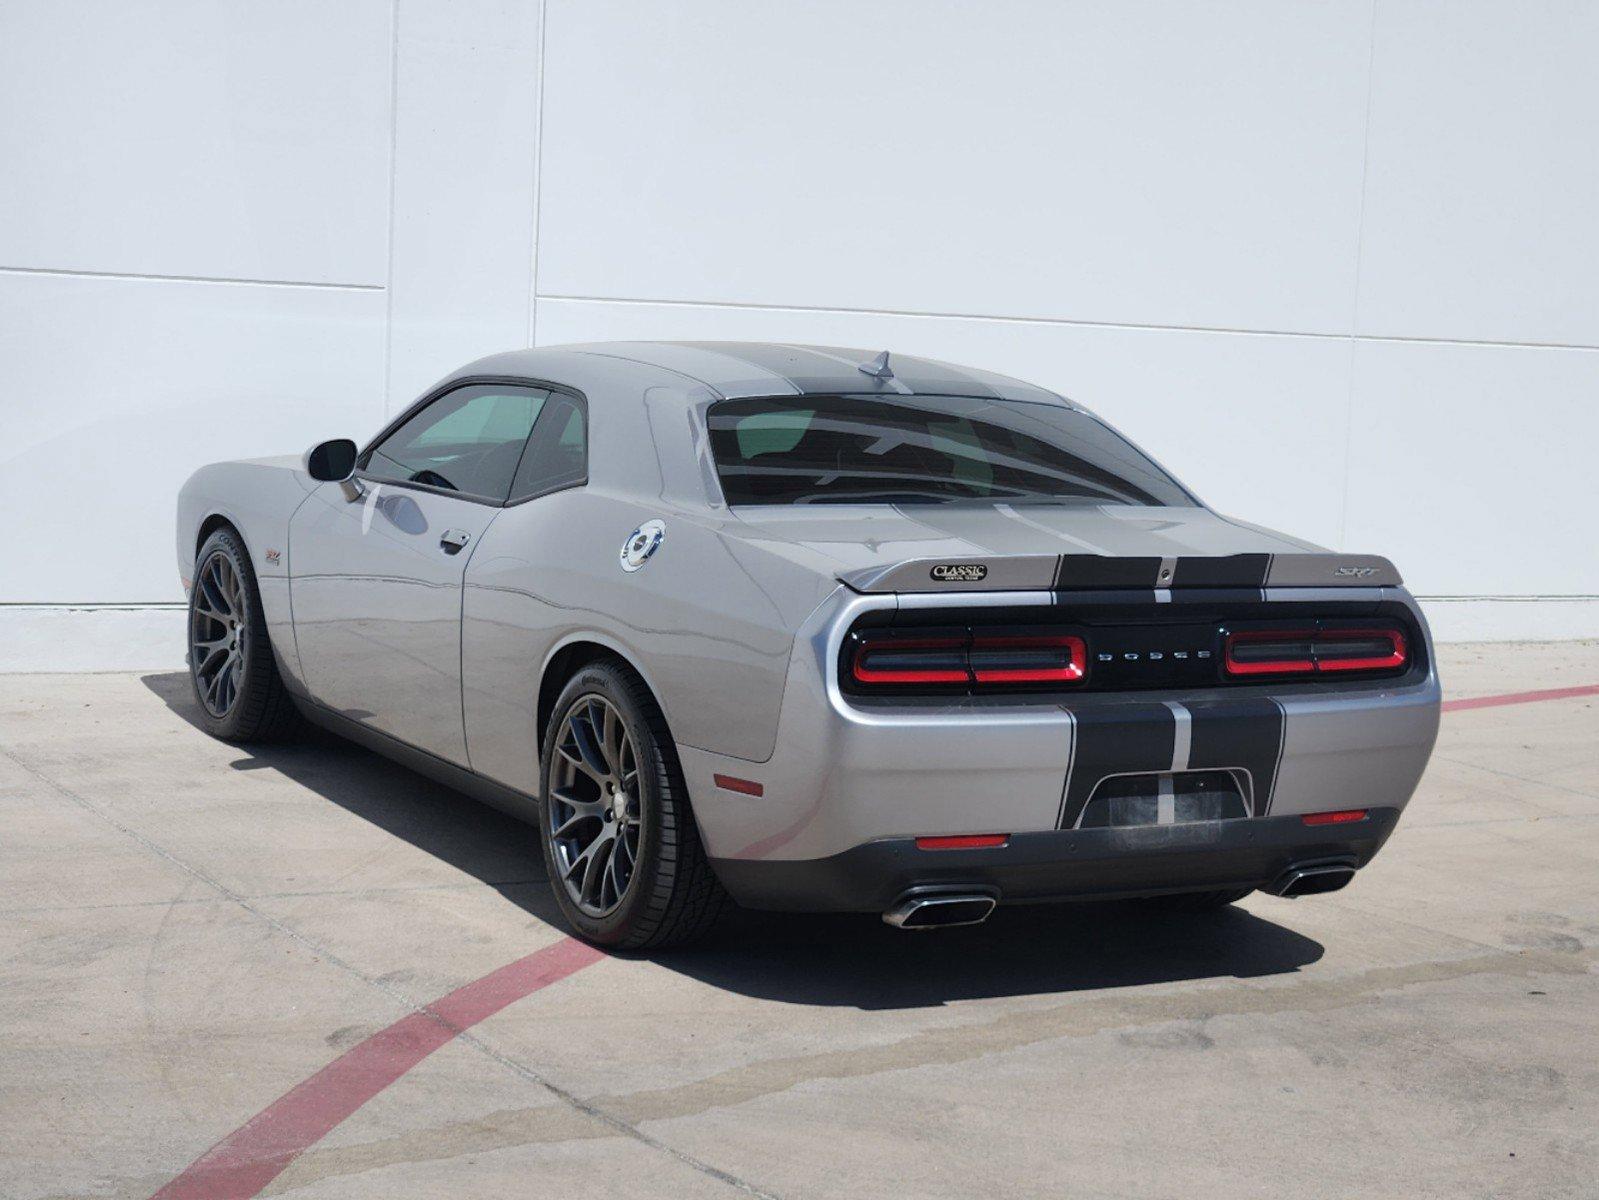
(925, 450)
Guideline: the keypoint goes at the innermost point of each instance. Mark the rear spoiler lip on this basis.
(1097, 572)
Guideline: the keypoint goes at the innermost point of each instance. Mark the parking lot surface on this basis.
(304, 971)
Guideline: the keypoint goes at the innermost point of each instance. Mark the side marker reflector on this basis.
(734, 784)
(1342, 817)
(964, 841)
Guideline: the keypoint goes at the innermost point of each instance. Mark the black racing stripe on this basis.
(804, 369)
(1103, 571)
(921, 375)
(819, 371)
(1114, 739)
(1229, 570)
(937, 379)
(1231, 733)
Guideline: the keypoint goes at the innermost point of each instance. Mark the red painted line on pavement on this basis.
(1566, 693)
(248, 1159)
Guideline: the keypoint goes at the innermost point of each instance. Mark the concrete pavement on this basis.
(189, 930)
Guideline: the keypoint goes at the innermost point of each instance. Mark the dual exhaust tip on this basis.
(933, 908)
(1311, 879)
(923, 908)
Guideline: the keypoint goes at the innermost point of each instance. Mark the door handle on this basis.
(452, 540)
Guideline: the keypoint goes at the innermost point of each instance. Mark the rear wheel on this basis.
(620, 844)
(235, 677)
(1196, 902)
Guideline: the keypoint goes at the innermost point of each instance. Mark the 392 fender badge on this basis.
(272, 556)
(641, 544)
(959, 572)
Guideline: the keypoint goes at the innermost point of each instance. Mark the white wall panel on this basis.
(1475, 466)
(466, 128)
(210, 138)
(59, 637)
(1483, 174)
(1153, 163)
(1217, 409)
(1511, 618)
(116, 389)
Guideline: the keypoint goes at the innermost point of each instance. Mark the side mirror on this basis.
(331, 462)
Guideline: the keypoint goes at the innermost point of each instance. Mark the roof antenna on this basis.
(878, 368)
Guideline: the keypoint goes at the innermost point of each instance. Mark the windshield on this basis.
(925, 450)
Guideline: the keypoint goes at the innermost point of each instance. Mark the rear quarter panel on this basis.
(708, 622)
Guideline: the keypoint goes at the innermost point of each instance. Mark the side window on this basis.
(467, 441)
(558, 452)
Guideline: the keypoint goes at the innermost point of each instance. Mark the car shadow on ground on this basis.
(473, 838)
(835, 960)
(857, 961)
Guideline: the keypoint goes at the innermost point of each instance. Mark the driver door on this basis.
(376, 568)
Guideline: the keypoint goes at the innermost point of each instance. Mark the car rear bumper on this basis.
(1068, 864)
(878, 776)
(846, 773)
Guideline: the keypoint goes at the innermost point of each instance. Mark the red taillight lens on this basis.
(963, 658)
(1051, 658)
(1361, 650)
(1345, 816)
(1315, 651)
(1273, 652)
(910, 660)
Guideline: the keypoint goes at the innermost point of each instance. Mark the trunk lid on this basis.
(996, 547)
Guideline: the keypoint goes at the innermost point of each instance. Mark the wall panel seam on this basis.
(153, 277)
(394, 184)
(538, 180)
(1354, 304)
(1071, 322)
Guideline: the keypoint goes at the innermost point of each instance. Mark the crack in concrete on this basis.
(1503, 774)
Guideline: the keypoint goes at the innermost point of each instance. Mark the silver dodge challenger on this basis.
(805, 627)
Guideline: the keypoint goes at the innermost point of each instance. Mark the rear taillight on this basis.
(966, 660)
(1053, 658)
(1315, 651)
(1274, 652)
(1361, 650)
(897, 661)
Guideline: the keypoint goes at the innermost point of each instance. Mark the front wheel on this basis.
(235, 678)
(620, 844)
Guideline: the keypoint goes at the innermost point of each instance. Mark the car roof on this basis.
(736, 369)
(648, 385)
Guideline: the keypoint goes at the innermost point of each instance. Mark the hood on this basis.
(943, 547)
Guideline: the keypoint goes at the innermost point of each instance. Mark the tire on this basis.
(232, 670)
(1196, 902)
(621, 784)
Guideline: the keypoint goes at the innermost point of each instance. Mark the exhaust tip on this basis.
(1312, 879)
(940, 910)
